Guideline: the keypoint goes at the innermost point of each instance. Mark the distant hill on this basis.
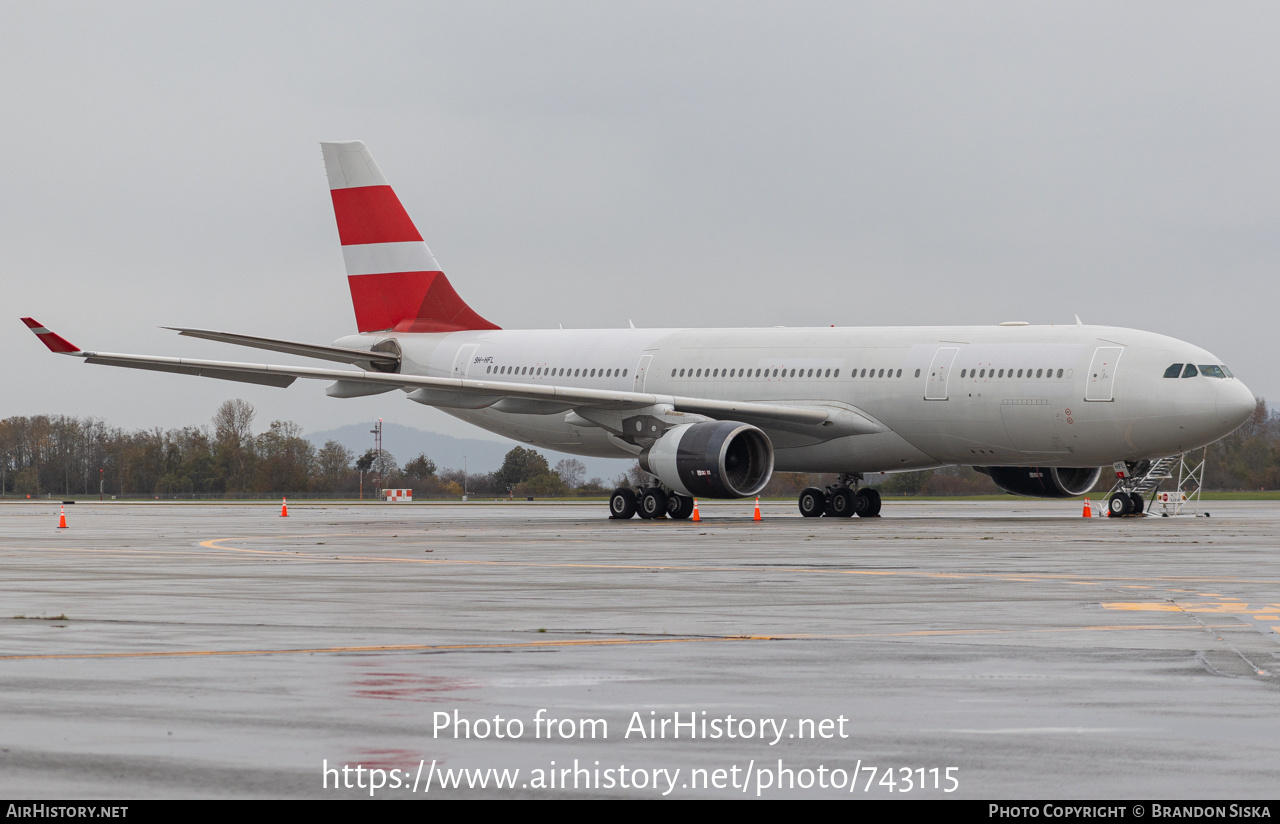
(405, 443)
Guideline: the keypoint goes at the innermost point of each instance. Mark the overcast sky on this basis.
(676, 164)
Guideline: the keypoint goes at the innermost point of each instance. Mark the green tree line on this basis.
(64, 456)
(57, 455)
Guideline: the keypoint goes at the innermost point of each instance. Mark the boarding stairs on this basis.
(1161, 470)
(1146, 477)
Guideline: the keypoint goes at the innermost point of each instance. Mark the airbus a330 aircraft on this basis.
(714, 412)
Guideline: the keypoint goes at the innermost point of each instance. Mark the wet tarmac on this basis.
(948, 649)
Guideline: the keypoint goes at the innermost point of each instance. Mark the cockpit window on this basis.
(1173, 371)
(1190, 371)
(1212, 371)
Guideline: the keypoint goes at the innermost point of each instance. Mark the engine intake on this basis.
(714, 459)
(1043, 481)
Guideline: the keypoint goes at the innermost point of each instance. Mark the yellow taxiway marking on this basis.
(589, 642)
(1229, 607)
(298, 555)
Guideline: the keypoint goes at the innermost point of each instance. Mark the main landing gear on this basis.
(840, 500)
(649, 503)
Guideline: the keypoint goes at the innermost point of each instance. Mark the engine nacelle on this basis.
(1043, 481)
(713, 459)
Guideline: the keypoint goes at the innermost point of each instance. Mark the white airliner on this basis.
(714, 412)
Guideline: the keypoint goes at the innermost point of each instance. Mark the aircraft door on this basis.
(935, 388)
(463, 360)
(642, 372)
(1100, 382)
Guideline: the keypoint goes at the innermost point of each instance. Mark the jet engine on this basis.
(1043, 481)
(714, 459)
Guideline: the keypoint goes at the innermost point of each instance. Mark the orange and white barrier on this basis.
(394, 495)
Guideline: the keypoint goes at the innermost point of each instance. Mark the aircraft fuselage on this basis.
(983, 396)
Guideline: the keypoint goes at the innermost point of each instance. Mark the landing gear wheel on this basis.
(1139, 503)
(840, 503)
(1119, 505)
(653, 504)
(622, 504)
(679, 507)
(812, 502)
(866, 503)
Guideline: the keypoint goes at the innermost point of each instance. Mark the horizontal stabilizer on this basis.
(306, 350)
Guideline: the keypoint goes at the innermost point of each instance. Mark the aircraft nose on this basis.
(1235, 403)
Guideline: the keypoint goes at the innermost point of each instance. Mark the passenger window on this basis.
(837, 374)
(1059, 373)
(899, 373)
(1173, 371)
(917, 373)
(882, 373)
(1039, 372)
(1190, 371)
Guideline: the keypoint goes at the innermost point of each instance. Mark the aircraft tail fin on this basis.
(396, 283)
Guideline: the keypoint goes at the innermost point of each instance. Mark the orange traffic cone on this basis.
(756, 517)
(695, 510)
(1088, 513)
(284, 507)
(62, 518)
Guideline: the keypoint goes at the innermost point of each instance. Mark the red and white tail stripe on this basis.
(54, 341)
(396, 283)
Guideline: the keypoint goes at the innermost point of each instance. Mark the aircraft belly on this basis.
(879, 452)
(547, 431)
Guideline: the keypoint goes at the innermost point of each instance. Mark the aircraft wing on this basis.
(477, 394)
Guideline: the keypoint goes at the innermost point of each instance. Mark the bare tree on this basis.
(571, 471)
